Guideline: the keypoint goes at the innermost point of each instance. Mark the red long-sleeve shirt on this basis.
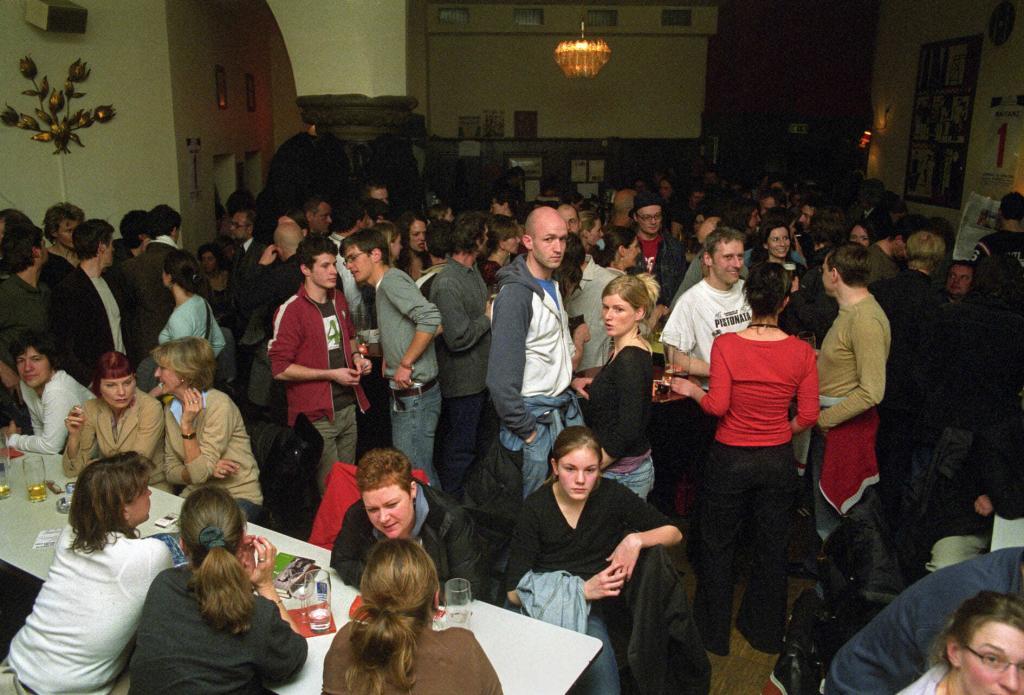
(752, 384)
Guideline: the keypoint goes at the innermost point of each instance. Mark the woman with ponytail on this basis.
(216, 625)
(390, 646)
(617, 405)
(192, 315)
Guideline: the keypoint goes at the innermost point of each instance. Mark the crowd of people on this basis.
(826, 354)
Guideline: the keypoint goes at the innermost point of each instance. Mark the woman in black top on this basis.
(617, 403)
(591, 528)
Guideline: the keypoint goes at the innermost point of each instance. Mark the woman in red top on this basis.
(751, 471)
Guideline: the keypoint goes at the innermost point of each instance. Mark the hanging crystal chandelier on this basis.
(582, 57)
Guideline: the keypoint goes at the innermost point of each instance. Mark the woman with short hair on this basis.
(48, 392)
(390, 646)
(981, 650)
(205, 441)
(203, 630)
(79, 635)
(120, 419)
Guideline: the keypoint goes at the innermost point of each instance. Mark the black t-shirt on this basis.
(343, 395)
(1001, 243)
(543, 541)
(619, 407)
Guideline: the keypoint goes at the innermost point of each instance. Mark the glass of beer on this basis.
(35, 477)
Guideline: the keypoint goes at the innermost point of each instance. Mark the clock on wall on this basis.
(1000, 24)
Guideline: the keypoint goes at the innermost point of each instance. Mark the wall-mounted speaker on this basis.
(56, 15)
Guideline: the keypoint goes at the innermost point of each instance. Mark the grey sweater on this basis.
(402, 310)
(461, 296)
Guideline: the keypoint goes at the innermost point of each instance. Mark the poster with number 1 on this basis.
(1003, 140)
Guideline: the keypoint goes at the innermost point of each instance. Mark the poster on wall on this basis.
(947, 77)
(1002, 144)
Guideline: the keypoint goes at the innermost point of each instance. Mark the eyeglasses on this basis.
(996, 663)
(349, 260)
(649, 218)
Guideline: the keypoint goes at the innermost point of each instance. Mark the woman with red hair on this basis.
(120, 419)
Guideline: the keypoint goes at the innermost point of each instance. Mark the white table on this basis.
(529, 656)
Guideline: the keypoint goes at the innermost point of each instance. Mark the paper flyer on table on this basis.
(47, 538)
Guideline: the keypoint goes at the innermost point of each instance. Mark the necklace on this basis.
(762, 325)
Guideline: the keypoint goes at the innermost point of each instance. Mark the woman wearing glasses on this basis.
(980, 652)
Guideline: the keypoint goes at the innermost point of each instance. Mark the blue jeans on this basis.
(460, 418)
(253, 512)
(602, 676)
(413, 423)
(826, 518)
(640, 481)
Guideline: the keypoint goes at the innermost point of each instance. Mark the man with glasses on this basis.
(662, 254)
(314, 352)
(408, 325)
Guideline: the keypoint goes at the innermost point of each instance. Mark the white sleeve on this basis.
(678, 331)
(50, 434)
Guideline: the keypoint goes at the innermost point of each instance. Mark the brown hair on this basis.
(191, 357)
(851, 261)
(57, 214)
(212, 527)
(399, 586)
(102, 491)
(639, 291)
(382, 467)
(972, 614)
(573, 438)
(721, 235)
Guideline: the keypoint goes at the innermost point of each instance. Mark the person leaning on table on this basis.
(48, 391)
(205, 441)
(390, 646)
(202, 629)
(120, 419)
(79, 635)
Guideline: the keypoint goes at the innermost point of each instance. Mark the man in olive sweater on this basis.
(851, 379)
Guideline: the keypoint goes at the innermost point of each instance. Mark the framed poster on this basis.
(947, 77)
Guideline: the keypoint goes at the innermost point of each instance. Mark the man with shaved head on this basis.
(530, 363)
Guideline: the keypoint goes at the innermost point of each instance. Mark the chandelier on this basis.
(582, 57)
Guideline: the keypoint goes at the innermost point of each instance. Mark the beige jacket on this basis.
(141, 429)
(221, 435)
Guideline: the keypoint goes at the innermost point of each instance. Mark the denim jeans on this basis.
(826, 518)
(253, 512)
(602, 676)
(639, 481)
(413, 423)
(460, 419)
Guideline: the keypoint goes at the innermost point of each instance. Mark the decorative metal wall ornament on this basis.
(56, 128)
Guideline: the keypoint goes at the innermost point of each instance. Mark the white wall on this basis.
(902, 27)
(127, 163)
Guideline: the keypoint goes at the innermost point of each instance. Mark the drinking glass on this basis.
(35, 477)
(316, 600)
(458, 600)
(5, 485)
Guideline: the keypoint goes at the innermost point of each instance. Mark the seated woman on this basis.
(751, 472)
(48, 391)
(390, 647)
(393, 505)
(192, 315)
(593, 529)
(120, 419)
(79, 635)
(202, 629)
(617, 402)
(981, 650)
(205, 441)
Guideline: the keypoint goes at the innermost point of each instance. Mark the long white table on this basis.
(529, 656)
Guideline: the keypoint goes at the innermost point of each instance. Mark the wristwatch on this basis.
(188, 436)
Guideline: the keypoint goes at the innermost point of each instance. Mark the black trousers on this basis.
(739, 483)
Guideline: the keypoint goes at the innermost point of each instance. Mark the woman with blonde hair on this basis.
(205, 441)
(617, 403)
(120, 419)
(203, 630)
(390, 646)
(981, 650)
(590, 230)
(79, 634)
